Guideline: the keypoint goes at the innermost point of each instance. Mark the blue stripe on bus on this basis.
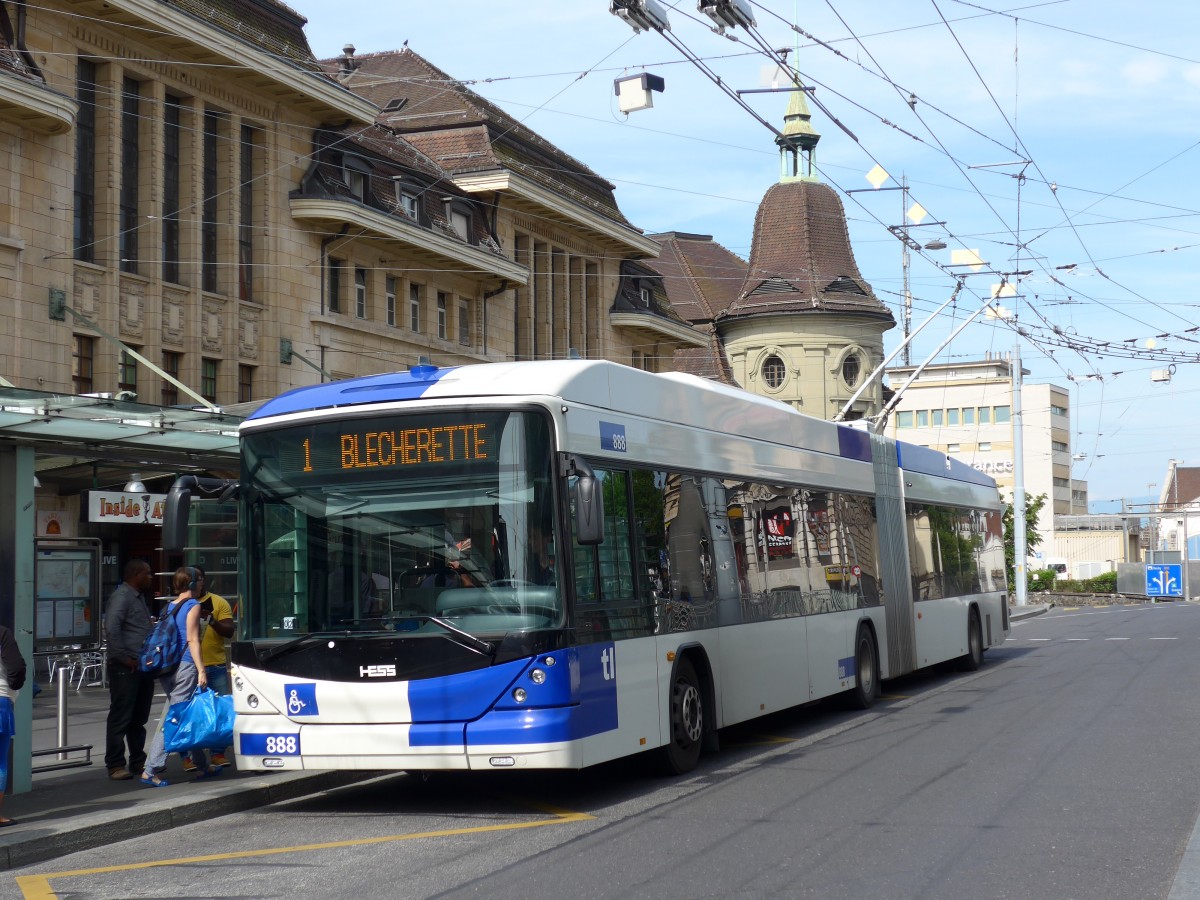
(577, 699)
(854, 444)
(462, 697)
(846, 667)
(913, 458)
(394, 386)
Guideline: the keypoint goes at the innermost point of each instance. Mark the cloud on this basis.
(1146, 71)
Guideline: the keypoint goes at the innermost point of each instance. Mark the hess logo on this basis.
(383, 671)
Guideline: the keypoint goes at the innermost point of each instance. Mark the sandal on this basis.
(154, 781)
(210, 772)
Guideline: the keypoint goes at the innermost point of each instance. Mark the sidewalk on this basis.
(1016, 613)
(79, 808)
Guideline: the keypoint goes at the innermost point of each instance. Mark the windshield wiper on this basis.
(298, 642)
(465, 638)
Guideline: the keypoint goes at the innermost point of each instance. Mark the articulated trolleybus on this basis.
(555, 564)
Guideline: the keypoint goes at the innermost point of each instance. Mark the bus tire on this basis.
(973, 658)
(866, 671)
(682, 751)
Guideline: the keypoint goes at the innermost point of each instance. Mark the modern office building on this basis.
(965, 410)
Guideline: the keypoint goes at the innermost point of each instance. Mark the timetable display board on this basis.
(66, 594)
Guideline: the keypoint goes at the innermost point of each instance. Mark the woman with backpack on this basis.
(180, 683)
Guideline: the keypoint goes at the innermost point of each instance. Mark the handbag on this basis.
(203, 721)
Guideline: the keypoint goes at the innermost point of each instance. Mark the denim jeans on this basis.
(177, 687)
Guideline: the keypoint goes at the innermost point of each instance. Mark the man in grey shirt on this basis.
(130, 691)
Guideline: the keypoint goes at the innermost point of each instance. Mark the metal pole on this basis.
(63, 680)
(1019, 537)
(906, 295)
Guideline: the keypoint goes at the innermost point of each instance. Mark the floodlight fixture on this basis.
(642, 15)
(728, 13)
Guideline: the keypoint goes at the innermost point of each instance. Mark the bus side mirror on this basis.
(179, 503)
(589, 503)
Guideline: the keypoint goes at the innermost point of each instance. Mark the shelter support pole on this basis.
(17, 518)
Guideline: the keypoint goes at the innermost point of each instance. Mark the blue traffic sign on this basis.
(1164, 581)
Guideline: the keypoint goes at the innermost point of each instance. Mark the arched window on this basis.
(851, 369)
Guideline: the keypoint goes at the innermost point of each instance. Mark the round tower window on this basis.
(851, 369)
(773, 371)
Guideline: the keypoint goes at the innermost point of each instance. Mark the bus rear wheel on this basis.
(682, 752)
(866, 671)
(973, 658)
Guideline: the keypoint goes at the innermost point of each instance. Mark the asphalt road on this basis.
(1066, 767)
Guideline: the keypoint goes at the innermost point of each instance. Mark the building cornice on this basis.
(675, 331)
(527, 189)
(35, 106)
(337, 100)
(395, 229)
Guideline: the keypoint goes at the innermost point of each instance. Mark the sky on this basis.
(1057, 139)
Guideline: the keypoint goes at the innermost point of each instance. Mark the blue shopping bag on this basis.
(203, 721)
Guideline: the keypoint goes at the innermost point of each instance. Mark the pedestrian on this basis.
(12, 677)
(180, 684)
(216, 625)
(130, 691)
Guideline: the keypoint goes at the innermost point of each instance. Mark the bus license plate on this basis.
(270, 745)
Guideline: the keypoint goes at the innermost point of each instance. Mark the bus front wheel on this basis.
(682, 753)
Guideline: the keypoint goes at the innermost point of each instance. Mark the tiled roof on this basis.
(388, 157)
(269, 25)
(708, 362)
(11, 61)
(801, 260)
(636, 274)
(702, 277)
(1187, 485)
(428, 102)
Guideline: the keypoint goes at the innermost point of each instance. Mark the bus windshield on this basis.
(393, 522)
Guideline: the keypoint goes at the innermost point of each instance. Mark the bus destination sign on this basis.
(343, 450)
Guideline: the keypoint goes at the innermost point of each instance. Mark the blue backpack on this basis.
(163, 648)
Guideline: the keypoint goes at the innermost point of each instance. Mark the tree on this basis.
(1033, 506)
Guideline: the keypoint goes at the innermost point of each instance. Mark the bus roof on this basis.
(671, 396)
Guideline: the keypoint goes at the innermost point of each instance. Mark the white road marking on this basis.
(1116, 639)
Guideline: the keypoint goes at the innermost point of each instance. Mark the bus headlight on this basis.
(519, 695)
(537, 676)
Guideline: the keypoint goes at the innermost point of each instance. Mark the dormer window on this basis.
(646, 294)
(356, 173)
(461, 223)
(407, 200)
(357, 182)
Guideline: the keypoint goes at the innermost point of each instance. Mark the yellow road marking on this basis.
(37, 887)
(763, 741)
(893, 697)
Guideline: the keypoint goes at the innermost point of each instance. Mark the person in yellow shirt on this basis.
(216, 626)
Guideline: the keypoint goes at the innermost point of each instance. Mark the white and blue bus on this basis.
(555, 564)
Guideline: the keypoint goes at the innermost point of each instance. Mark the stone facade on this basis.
(187, 180)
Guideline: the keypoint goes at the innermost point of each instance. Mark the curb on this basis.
(86, 832)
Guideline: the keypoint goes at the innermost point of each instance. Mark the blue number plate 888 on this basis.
(270, 745)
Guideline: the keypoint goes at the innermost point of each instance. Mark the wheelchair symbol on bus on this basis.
(301, 699)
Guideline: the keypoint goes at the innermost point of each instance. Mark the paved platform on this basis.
(80, 808)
